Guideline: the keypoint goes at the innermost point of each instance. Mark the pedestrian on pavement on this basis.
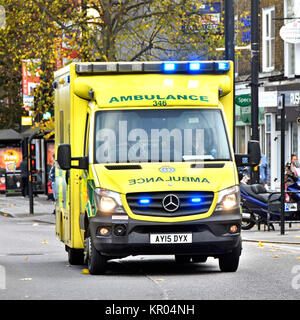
(294, 158)
(264, 171)
(24, 176)
(52, 179)
(295, 164)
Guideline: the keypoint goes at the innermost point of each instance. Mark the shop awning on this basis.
(9, 135)
(36, 133)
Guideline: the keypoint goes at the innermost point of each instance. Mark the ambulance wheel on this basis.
(75, 256)
(182, 258)
(229, 262)
(95, 261)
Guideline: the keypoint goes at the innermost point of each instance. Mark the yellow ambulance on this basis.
(145, 162)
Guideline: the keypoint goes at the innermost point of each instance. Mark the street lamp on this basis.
(230, 47)
(281, 107)
(255, 4)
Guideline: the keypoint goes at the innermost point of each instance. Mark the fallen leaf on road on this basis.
(272, 250)
(44, 242)
(275, 257)
(26, 279)
(5, 214)
(260, 244)
(85, 271)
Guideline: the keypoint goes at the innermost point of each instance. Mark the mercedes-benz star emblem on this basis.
(170, 202)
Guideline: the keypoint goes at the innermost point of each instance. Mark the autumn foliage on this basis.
(52, 31)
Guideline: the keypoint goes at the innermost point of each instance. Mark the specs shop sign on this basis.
(290, 32)
(243, 100)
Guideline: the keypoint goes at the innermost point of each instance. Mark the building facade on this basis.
(279, 73)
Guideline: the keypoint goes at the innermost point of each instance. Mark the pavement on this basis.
(17, 207)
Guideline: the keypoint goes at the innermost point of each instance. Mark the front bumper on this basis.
(210, 236)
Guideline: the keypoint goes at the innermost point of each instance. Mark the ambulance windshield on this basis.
(160, 135)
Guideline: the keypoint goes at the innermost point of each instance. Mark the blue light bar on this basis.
(169, 67)
(196, 200)
(194, 66)
(144, 201)
(223, 66)
(180, 67)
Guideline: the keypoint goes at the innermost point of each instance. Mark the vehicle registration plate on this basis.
(290, 207)
(163, 238)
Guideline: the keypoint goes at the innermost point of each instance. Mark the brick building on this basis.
(279, 73)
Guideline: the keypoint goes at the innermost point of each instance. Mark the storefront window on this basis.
(294, 138)
(268, 138)
(268, 123)
(240, 136)
(268, 147)
(262, 137)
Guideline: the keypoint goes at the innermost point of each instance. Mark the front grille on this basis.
(155, 206)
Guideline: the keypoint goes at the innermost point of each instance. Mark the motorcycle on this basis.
(293, 181)
(262, 206)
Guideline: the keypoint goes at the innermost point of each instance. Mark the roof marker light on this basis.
(169, 66)
(223, 66)
(194, 66)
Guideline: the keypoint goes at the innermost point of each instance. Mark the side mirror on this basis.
(251, 159)
(64, 156)
(64, 159)
(254, 153)
(83, 163)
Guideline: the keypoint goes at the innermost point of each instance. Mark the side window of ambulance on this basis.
(86, 136)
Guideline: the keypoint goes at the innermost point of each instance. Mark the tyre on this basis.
(95, 261)
(182, 258)
(75, 256)
(199, 259)
(229, 262)
(247, 224)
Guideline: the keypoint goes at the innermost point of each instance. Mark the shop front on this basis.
(10, 161)
(43, 145)
(273, 134)
(243, 121)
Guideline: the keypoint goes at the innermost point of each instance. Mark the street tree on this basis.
(49, 31)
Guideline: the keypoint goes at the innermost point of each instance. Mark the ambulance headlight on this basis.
(229, 198)
(108, 201)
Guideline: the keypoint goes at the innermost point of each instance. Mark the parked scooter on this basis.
(292, 183)
(262, 206)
